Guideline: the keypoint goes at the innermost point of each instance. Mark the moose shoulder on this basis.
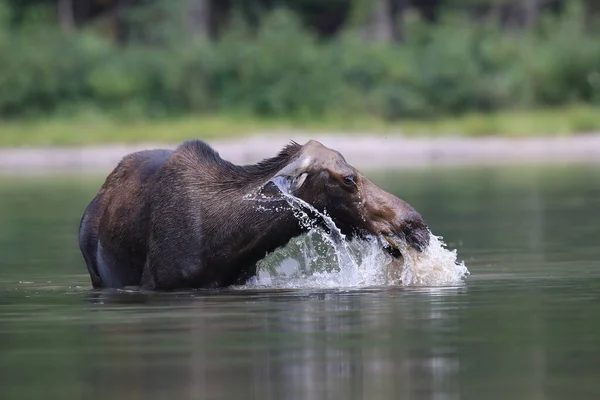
(179, 219)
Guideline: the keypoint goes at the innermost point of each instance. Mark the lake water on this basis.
(525, 325)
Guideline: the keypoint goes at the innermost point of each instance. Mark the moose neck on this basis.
(245, 216)
(263, 219)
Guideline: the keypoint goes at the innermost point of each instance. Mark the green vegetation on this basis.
(94, 129)
(458, 75)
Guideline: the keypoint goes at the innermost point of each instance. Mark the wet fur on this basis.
(177, 219)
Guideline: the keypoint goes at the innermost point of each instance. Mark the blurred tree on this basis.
(200, 17)
(379, 20)
(65, 15)
(531, 10)
(512, 13)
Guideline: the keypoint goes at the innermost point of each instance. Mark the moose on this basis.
(181, 219)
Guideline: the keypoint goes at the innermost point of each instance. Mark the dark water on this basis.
(526, 325)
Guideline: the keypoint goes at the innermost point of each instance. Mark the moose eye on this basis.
(349, 180)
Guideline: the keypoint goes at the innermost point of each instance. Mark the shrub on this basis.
(457, 65)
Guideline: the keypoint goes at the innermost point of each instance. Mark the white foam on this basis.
(326, 260)
(310, 261)
(435, 266)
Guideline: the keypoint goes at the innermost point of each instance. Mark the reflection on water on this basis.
(309, 345)
(525, 325)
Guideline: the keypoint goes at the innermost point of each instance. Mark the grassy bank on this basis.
(97, 129)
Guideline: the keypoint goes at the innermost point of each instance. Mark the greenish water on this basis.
(526, 325)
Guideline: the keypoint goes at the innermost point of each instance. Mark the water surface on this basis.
(526, 325)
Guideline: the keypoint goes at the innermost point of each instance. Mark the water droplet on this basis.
(321, 259)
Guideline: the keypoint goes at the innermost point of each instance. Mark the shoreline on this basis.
(367, 151)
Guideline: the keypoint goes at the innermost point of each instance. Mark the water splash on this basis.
(434, 266)
(325, 259)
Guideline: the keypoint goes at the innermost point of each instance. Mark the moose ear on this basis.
(293, 175)
(295, 168)
(298, 181)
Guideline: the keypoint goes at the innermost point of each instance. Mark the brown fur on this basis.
(178, 219)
